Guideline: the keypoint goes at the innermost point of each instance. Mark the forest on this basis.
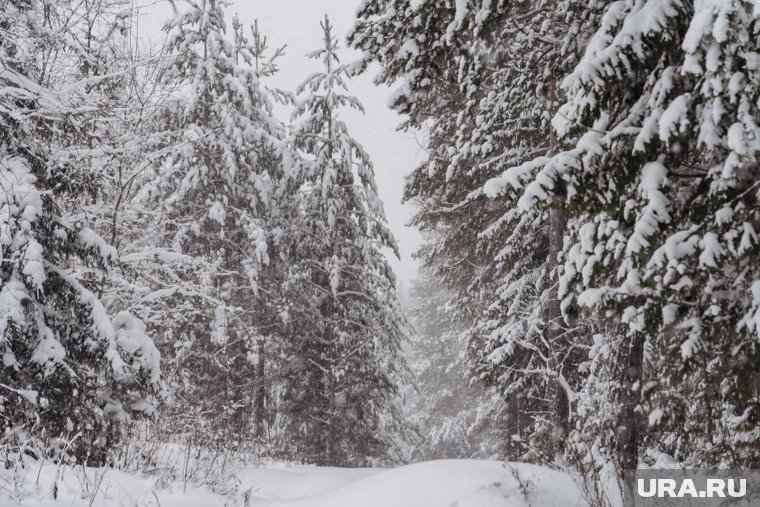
(195, 264)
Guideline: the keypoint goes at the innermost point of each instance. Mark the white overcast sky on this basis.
(296, 23)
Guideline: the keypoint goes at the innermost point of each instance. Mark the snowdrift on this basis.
(445, 483)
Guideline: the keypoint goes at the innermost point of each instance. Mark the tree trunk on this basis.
(555, 323)
(555, 327)
(326, 402)
(628, 370)
(260, 394)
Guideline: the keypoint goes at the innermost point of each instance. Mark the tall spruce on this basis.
(217, 185)
(346, 321)
(662, 115)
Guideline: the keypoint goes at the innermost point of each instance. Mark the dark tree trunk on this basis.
(630, 433)
(260, 394)
(555, 327)
(555, 323)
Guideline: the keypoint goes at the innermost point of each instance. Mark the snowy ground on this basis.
(447, 483)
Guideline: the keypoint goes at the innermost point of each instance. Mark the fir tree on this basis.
(218, 186)
(346, 319)
(662, 173)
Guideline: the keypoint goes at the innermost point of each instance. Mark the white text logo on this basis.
(715, 488)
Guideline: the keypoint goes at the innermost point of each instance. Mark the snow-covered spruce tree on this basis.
(218, 189)
(479, 78)
(346, 322)
(664, 105)
(70, 373)
(410, 39)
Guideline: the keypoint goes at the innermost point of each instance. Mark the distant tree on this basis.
(455, 420)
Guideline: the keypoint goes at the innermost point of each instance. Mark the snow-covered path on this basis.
(445, 483)
(460, 483)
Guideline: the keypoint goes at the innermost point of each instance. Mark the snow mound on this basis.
(287, 482)
(444, 483)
